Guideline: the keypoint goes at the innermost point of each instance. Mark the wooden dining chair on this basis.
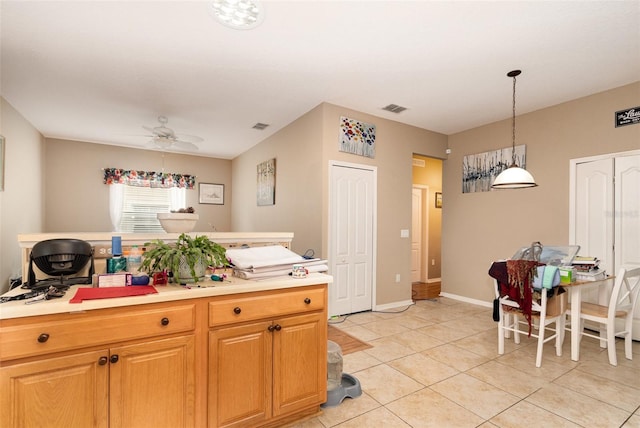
(622, 303)
(512, 320)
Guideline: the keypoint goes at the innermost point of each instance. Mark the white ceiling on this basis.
(99, 71)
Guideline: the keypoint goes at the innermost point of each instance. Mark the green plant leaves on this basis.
(160, 255)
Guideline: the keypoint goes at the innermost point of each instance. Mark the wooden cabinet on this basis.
(248, 359)
(69, 391)
(152, 384)
(146, 382)
(262, 372)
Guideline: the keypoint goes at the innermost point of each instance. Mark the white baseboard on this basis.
(393, 305)
(468, 300)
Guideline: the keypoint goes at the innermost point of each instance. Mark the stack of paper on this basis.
(269, 261)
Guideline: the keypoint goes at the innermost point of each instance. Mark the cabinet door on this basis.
(152, 384)
(70, 391)
(240, 375)
(299, 363)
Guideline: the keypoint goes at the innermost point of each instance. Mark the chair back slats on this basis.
(626, 289)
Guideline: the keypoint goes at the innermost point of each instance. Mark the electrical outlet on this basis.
(397, 277)
(101, 251)
(404, 233)
(433, 262)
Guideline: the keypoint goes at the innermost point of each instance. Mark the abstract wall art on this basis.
(480, 170)
(357, 137)
(266, 192)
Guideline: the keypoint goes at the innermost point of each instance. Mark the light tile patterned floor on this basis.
(436, 365)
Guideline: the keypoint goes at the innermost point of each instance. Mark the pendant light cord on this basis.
(513, 126)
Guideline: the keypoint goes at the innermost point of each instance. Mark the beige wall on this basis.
(303, 151)
(481, 227)
(298, 206)
(477, 228)
(21, 201)
(76, 200)
(395, 145)
(431, 175)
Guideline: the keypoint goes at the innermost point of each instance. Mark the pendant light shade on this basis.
(514, 177)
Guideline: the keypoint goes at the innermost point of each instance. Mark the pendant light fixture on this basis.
(514, 177)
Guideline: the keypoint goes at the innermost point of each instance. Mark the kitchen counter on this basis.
(237, 353)
(166, 293)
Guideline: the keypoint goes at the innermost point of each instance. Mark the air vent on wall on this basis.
(394, 108)
(260, 126)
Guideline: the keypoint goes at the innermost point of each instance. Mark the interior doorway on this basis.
(426, 227)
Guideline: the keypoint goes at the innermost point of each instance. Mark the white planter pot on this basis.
(178, 222)
(185, 273)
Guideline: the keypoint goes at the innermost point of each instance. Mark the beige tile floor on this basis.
(436, 365)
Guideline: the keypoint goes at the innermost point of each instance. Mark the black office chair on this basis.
(61, 259)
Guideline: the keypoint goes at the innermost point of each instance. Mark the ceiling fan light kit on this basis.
(164, 138)
(514, 177)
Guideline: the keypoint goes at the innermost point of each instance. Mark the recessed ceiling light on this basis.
(238, 14)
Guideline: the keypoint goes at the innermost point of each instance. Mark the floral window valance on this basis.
(148, 178)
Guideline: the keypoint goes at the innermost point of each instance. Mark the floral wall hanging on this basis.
(148, 178)
(357, 137)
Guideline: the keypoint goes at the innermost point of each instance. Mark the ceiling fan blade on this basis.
(184, 145)
(189, 138)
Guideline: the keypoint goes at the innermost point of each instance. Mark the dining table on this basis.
(575, 290)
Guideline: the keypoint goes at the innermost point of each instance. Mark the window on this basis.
(133, 208)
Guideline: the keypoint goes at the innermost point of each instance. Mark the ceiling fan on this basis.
(165, 138)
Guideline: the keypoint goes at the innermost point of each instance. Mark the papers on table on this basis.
(269, 261)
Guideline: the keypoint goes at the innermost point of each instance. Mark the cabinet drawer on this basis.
(233, 309)
(46, 334)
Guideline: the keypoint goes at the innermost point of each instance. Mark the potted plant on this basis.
(188, 257)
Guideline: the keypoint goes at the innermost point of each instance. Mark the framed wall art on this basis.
(357, 137)
(210, 193)
(266, 183)
(480, 170)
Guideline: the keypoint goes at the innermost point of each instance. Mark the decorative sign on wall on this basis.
(480, 170)
(266, 193)
(357, 137)
(630, 116)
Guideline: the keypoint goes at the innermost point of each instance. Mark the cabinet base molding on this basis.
(299, 417)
